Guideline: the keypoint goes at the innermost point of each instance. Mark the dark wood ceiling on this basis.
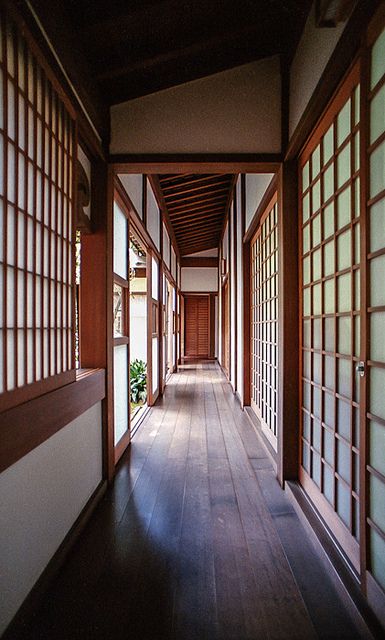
(130, 48)
(196, 205)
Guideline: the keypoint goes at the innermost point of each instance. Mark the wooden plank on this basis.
(279, 588)
(51, 412)
(199, 262)
(185, 544)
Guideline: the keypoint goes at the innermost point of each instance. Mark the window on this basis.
(120, 324)
(264, 323)
(37, 148)
(330, 229)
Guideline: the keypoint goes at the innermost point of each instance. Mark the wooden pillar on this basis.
(288, 425)
(246, 302)
(96, 298)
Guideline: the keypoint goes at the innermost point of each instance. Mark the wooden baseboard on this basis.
(16, 628)
(335, 562)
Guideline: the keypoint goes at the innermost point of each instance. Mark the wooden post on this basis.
(288, 419)
(96, 298)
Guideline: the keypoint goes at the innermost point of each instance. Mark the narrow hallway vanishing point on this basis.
(195, 539)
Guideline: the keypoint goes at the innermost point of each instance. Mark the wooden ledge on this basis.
(28, 425)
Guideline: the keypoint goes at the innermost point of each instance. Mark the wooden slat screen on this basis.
(37, 149)
(197, 326)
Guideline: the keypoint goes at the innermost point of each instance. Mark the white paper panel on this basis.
(133, 184)
(20, 358)
(166, 247)
(173, 263)
(1, 361)
(120, 242)
(154, 278)
(153, 217)
(120, 392)
(10, 360)
(155, 365)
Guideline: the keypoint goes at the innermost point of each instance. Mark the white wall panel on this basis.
(50, 486)
(153, 217)
(313, 53)
(173, 263)
(256, 185)
(166, 247)
(199, 279)
(235, 111)
(133, 184)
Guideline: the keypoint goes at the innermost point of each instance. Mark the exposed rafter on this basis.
(139, 47)
(196, 207)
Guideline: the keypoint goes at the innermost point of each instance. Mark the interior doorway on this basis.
(197, 327)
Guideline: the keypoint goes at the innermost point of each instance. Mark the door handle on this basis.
(360, 368)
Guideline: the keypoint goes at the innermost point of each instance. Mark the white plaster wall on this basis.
(41, 496)
(199, 279)
(166, 247)
(313, 53)
(138, 327)
(233, 111)
(256, 185)
(133, 184)
(153, 217)
(173, 262)
(239, 293)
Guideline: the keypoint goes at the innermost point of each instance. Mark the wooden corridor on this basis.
(195, 539)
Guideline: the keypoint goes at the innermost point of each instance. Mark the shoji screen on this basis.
(264, 322)
(37, 155)
(330, 231)
(375, 319)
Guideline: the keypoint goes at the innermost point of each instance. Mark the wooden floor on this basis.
(195, 540)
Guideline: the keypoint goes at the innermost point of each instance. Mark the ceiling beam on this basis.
(225, 39)
(197, 214)
(206, 194)
(209, 228)
(204, 202)
(181, 190)
(188, 182)
(212, 244)
(199, 262)
(212, 233)
(200, 220)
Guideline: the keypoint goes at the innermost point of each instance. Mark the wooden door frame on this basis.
(153, 316)
(120, 447)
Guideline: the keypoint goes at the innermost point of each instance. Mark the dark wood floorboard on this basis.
(195, 540)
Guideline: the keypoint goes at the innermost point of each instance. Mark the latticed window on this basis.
(37, 150)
